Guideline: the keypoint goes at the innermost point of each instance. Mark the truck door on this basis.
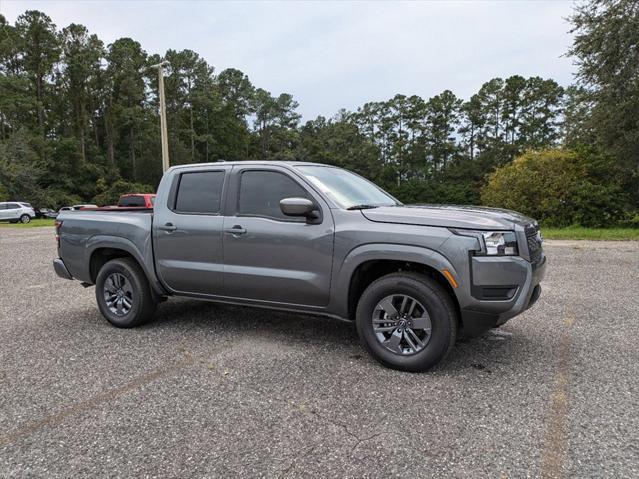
(269, 256)
(187, 231)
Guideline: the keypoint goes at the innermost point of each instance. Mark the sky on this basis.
(338, 54)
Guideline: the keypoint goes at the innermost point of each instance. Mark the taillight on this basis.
(58, 225)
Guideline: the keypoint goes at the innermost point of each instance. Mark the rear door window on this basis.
(200, 192)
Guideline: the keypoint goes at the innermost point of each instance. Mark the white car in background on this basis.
(14, 211)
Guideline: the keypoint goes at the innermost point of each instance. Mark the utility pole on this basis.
(165, 136)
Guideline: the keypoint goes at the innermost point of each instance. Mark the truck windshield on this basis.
(346, 189)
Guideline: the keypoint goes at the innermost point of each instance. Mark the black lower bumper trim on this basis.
(61, 269)
(534, 296)
(475, 323)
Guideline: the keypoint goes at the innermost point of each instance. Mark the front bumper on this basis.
(518, 280)
(61, 269)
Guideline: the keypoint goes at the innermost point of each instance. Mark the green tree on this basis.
(82, 55)
(124, 111)
(276, 121)
(339, 142)
(38, 49)
(606, 42)
(442, 122)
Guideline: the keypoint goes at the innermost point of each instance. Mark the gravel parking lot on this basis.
(210, 390)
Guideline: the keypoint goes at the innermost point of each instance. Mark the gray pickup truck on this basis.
(313, 239)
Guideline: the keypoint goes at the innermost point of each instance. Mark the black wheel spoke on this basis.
(411, 334)
(380, 329)
(394, 341)
(402, 308)
(422, 322)
(396, 328)
(410, 342)
(386, 305)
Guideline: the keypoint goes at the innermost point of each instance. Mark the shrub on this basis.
(560, 188)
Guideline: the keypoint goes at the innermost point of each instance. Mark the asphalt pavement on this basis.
(208, 390)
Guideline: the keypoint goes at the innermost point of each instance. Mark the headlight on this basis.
(500, 243)
(493, 243)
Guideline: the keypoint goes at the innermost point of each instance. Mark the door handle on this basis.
(168, 227)
(236, 230)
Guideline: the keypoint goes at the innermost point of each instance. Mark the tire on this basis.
(432, 323)
(135, 304)
(24, 219)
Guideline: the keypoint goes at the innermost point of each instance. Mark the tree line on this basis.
(79, 119)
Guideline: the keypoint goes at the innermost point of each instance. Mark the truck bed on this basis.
(85, 231)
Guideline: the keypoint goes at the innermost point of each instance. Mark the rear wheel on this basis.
(123, 293)
(25, 218)
(407, 321)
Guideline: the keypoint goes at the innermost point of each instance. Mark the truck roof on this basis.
(250, 162)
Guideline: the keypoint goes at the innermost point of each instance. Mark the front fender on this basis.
(381, 251)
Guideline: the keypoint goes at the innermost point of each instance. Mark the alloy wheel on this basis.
(401, 324)
(118, 294)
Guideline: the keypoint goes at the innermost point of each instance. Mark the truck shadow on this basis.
(484, 354)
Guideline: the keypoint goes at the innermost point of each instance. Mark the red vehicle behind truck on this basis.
(143, 200)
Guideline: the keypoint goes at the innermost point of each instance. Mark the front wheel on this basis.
(407, 321)
(123, 293)
(25, 219)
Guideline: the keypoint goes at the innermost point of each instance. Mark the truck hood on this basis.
(469, 217)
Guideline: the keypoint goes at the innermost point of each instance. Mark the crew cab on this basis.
(313, 239)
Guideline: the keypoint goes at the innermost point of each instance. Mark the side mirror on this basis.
(298, 207)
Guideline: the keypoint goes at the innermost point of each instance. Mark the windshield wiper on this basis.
(362, 207)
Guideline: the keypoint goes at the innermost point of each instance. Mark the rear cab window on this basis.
(129, 201)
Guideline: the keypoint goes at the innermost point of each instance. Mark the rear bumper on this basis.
(61, 269)
(483, 315)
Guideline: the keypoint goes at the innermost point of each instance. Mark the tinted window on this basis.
(12, 206)
(200, 192)
(131, 201)
(261, 192)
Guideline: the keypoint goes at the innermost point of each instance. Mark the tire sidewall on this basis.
(441, 316)
(132, 318)
(24, 219)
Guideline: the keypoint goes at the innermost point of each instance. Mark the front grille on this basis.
(533, 239)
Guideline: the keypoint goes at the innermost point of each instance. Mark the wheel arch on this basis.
(100, 256)
(103, 249)
(367, 263)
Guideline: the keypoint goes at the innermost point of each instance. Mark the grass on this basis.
(32, 224)
(581, 233)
